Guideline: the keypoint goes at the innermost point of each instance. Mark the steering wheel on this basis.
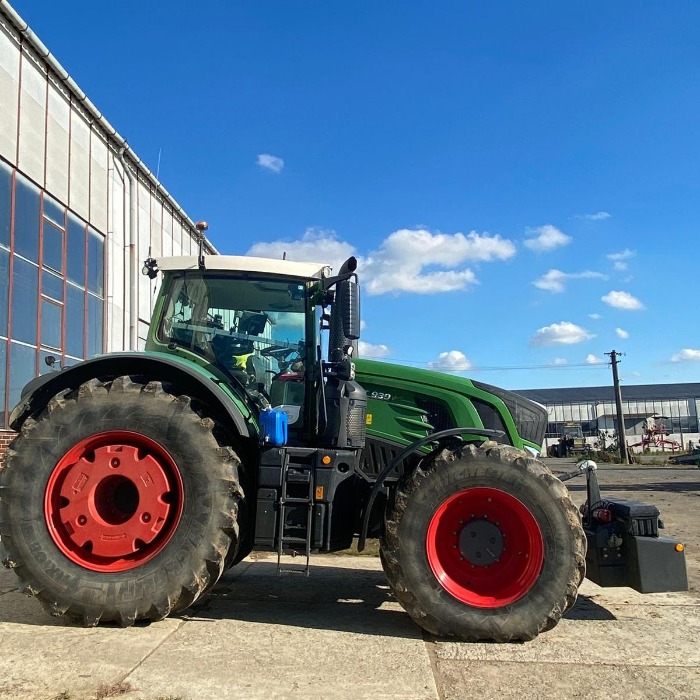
(278, 353)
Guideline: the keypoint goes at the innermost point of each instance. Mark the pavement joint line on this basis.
(623, 664)
(152, 651)
(435, 668)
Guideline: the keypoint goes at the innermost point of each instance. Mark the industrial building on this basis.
(674, 409)
(79, 212)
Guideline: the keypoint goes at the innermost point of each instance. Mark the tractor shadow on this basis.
(337, 599)
(332, 598)
(588, 610)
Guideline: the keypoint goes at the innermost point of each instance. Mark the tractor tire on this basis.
(118, 504)
(483, 544)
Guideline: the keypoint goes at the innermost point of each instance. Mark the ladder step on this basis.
(294, 571)
(293, 540)
(294, 499)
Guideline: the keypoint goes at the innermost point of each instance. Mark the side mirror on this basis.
(347, 305)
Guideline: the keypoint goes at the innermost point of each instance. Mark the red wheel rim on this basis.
(485, 547)
(113, 501)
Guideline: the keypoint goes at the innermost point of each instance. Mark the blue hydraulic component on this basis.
(273, 426)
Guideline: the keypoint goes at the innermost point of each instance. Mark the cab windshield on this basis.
(255, 329)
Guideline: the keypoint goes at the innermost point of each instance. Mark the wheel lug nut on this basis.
(146, 517)
(114, 463)
(82, 520)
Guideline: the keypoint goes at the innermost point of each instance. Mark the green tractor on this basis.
(138, 478)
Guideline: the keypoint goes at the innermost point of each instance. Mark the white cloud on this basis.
(363, 325)
(625, 254)
(450, 361)
(553, 281)
(372, 351)
(622, 300)
(595, 317)
(559, 362)
(598, 216)
(563, 333)
(316, 245)
(545, 238)
(622, 333)
(620, 259)
(403, 260)
(272, 163)
(593, 360)
(686, 354)
(398, 265)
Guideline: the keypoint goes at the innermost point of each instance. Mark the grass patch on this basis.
(112, 690)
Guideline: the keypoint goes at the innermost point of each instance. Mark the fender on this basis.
(433, 437)
(193, 379)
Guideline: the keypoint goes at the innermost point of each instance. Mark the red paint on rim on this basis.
(519, 564)
(113, 501)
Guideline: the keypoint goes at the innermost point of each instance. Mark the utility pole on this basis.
(621, 442)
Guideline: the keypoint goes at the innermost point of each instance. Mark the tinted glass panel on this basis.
(50, 324)
(3, 356)
(95, 313)
(96, 248)
(54, 211)
(4, 284)
(43, 367)
(5, 202)
(76, 251)
(53, 246)
(75, 321)
(25, 292)
(26, 218)
(22, 370)
(51, 285)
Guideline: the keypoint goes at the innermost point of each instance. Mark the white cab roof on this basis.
(241, 263)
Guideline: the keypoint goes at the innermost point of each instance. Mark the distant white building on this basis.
(673, 408)
(79, 212)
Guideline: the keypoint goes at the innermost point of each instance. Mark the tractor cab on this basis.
(257, 322)
(260, 331)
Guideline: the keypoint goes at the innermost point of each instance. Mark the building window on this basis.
(75, 321)
(23, 369)
(53, 302)
(52, 254)
(4, 290)
(25, 291)
(75, 252)
(5, 204)
(26, 218)
(95, 269)
(51, 323)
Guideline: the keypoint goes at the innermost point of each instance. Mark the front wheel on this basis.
(118, 503)
(484, 544)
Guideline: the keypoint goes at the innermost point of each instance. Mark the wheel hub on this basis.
(481, 543)
(485, 547)
(113, 501)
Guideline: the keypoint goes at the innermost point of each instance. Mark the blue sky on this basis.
(519, 180)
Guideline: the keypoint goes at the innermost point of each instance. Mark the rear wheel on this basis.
(484, 544)
(118, 503)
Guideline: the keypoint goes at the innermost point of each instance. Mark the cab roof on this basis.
(241, 263)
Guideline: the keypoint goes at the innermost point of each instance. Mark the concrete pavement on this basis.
(339, 634)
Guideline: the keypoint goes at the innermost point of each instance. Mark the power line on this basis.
(496, 368)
